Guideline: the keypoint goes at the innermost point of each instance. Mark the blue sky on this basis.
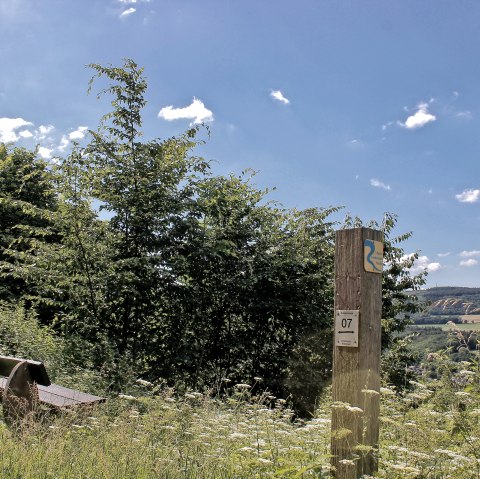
(372, 105)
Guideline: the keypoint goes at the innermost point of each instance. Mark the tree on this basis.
(28, 204)
(147, 188)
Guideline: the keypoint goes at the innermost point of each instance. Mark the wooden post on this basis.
(356, 355)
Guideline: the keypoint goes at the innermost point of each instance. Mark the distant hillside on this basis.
(448, 301)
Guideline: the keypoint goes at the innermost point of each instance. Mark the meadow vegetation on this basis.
(433, 431)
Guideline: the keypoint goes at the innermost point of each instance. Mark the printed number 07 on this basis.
(346, 322)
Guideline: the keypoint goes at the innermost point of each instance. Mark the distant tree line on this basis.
(151, 266)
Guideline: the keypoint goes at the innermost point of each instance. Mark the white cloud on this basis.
(419, 119)
(8, 127)
(465, 115)
(469, 254)
(196, 112)
(25, 134)
(422, 263)
(78, 134)
(468, 262)
(379, 184)
(127, 12)
(278, 95)
(128, 2)
(355, 143)
(45, 153)
(387, 125)
(43, 131)
(443, 255)
(468, 196)
(64, 142)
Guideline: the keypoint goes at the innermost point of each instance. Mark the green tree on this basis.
(147, 189)
(28, 204)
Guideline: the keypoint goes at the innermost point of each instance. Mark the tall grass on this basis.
(432, 432)
(195, 436)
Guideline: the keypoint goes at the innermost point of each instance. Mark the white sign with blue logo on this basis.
(373, 256)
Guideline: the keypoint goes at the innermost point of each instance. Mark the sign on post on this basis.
(373, 256)
(356, 352)
(346, 328)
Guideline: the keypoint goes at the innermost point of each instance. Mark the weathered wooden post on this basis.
(356, 355)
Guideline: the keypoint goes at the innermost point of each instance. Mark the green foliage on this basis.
(180, 275)
(22, 336)
(204, 279)
(27, 207)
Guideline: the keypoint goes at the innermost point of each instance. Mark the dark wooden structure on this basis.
(25, 387)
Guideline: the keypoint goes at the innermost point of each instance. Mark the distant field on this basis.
(447, 327)
(471, 317)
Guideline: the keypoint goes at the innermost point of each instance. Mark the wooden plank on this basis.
(37, 369)
(59, 396)
(356, 370)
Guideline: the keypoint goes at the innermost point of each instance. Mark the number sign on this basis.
(346, 328)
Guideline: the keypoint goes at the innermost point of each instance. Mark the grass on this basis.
(431, 432)
(192, 437)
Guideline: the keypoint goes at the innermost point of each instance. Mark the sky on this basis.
(371, 105)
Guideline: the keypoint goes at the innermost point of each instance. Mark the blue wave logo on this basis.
(370, 244)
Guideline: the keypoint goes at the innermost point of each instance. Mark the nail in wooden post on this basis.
(356, 355)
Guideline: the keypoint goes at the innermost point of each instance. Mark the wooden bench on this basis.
(24, 385)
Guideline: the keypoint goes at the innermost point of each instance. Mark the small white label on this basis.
(346, 328)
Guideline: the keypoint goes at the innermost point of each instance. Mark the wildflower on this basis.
(127, 397)
(405, 469)
(387, 391)
(142, 382)
(243, 386)
(370, 392)
(353, 409)
(260, 442)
